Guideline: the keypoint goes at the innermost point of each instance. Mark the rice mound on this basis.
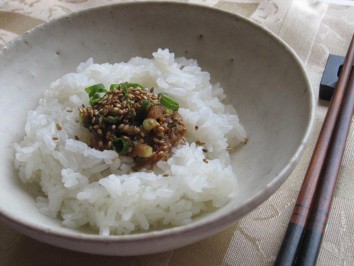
(84, 186)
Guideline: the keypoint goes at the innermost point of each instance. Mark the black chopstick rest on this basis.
(330, 76)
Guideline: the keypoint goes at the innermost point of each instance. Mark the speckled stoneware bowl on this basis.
(261, 76)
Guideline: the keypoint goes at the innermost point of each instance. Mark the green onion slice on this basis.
(125, 86)
(145, 105)
(94, 93)
(95, 99)
(168, 101)
(120, 145)
(113, 87)
(133, 85)
(113, 120)
(94, 89)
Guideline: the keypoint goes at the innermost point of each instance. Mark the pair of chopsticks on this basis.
(307, 224)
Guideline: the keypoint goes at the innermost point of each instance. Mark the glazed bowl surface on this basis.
(262, 77)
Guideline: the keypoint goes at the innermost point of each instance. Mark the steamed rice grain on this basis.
(84, 186)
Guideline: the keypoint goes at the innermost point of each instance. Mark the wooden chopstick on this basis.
(303, 237)
(307, 254)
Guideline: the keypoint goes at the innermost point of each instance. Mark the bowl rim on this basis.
(213, 224)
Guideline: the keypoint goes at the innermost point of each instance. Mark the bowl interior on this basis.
(260, 75)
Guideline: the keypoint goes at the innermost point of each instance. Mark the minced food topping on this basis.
(133, 120)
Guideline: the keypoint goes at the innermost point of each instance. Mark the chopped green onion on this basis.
(125, 91)
(94, 92)
(145, 105)
(133, 85)
(94, 89)
(113, 87)
(95, 99)
(125, 86)
(111, 120)
(120, 145)
(167, 101)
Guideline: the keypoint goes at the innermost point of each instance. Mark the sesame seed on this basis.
(120, 115)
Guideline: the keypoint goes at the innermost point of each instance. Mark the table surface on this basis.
(314, 29)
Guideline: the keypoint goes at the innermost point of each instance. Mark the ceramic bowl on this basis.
(261, 76)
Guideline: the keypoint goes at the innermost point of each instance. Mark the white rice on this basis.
(84, 186)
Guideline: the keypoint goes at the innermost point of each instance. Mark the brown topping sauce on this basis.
(133, 122)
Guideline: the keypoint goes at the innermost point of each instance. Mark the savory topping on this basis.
(167, 101)
(133, 121)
